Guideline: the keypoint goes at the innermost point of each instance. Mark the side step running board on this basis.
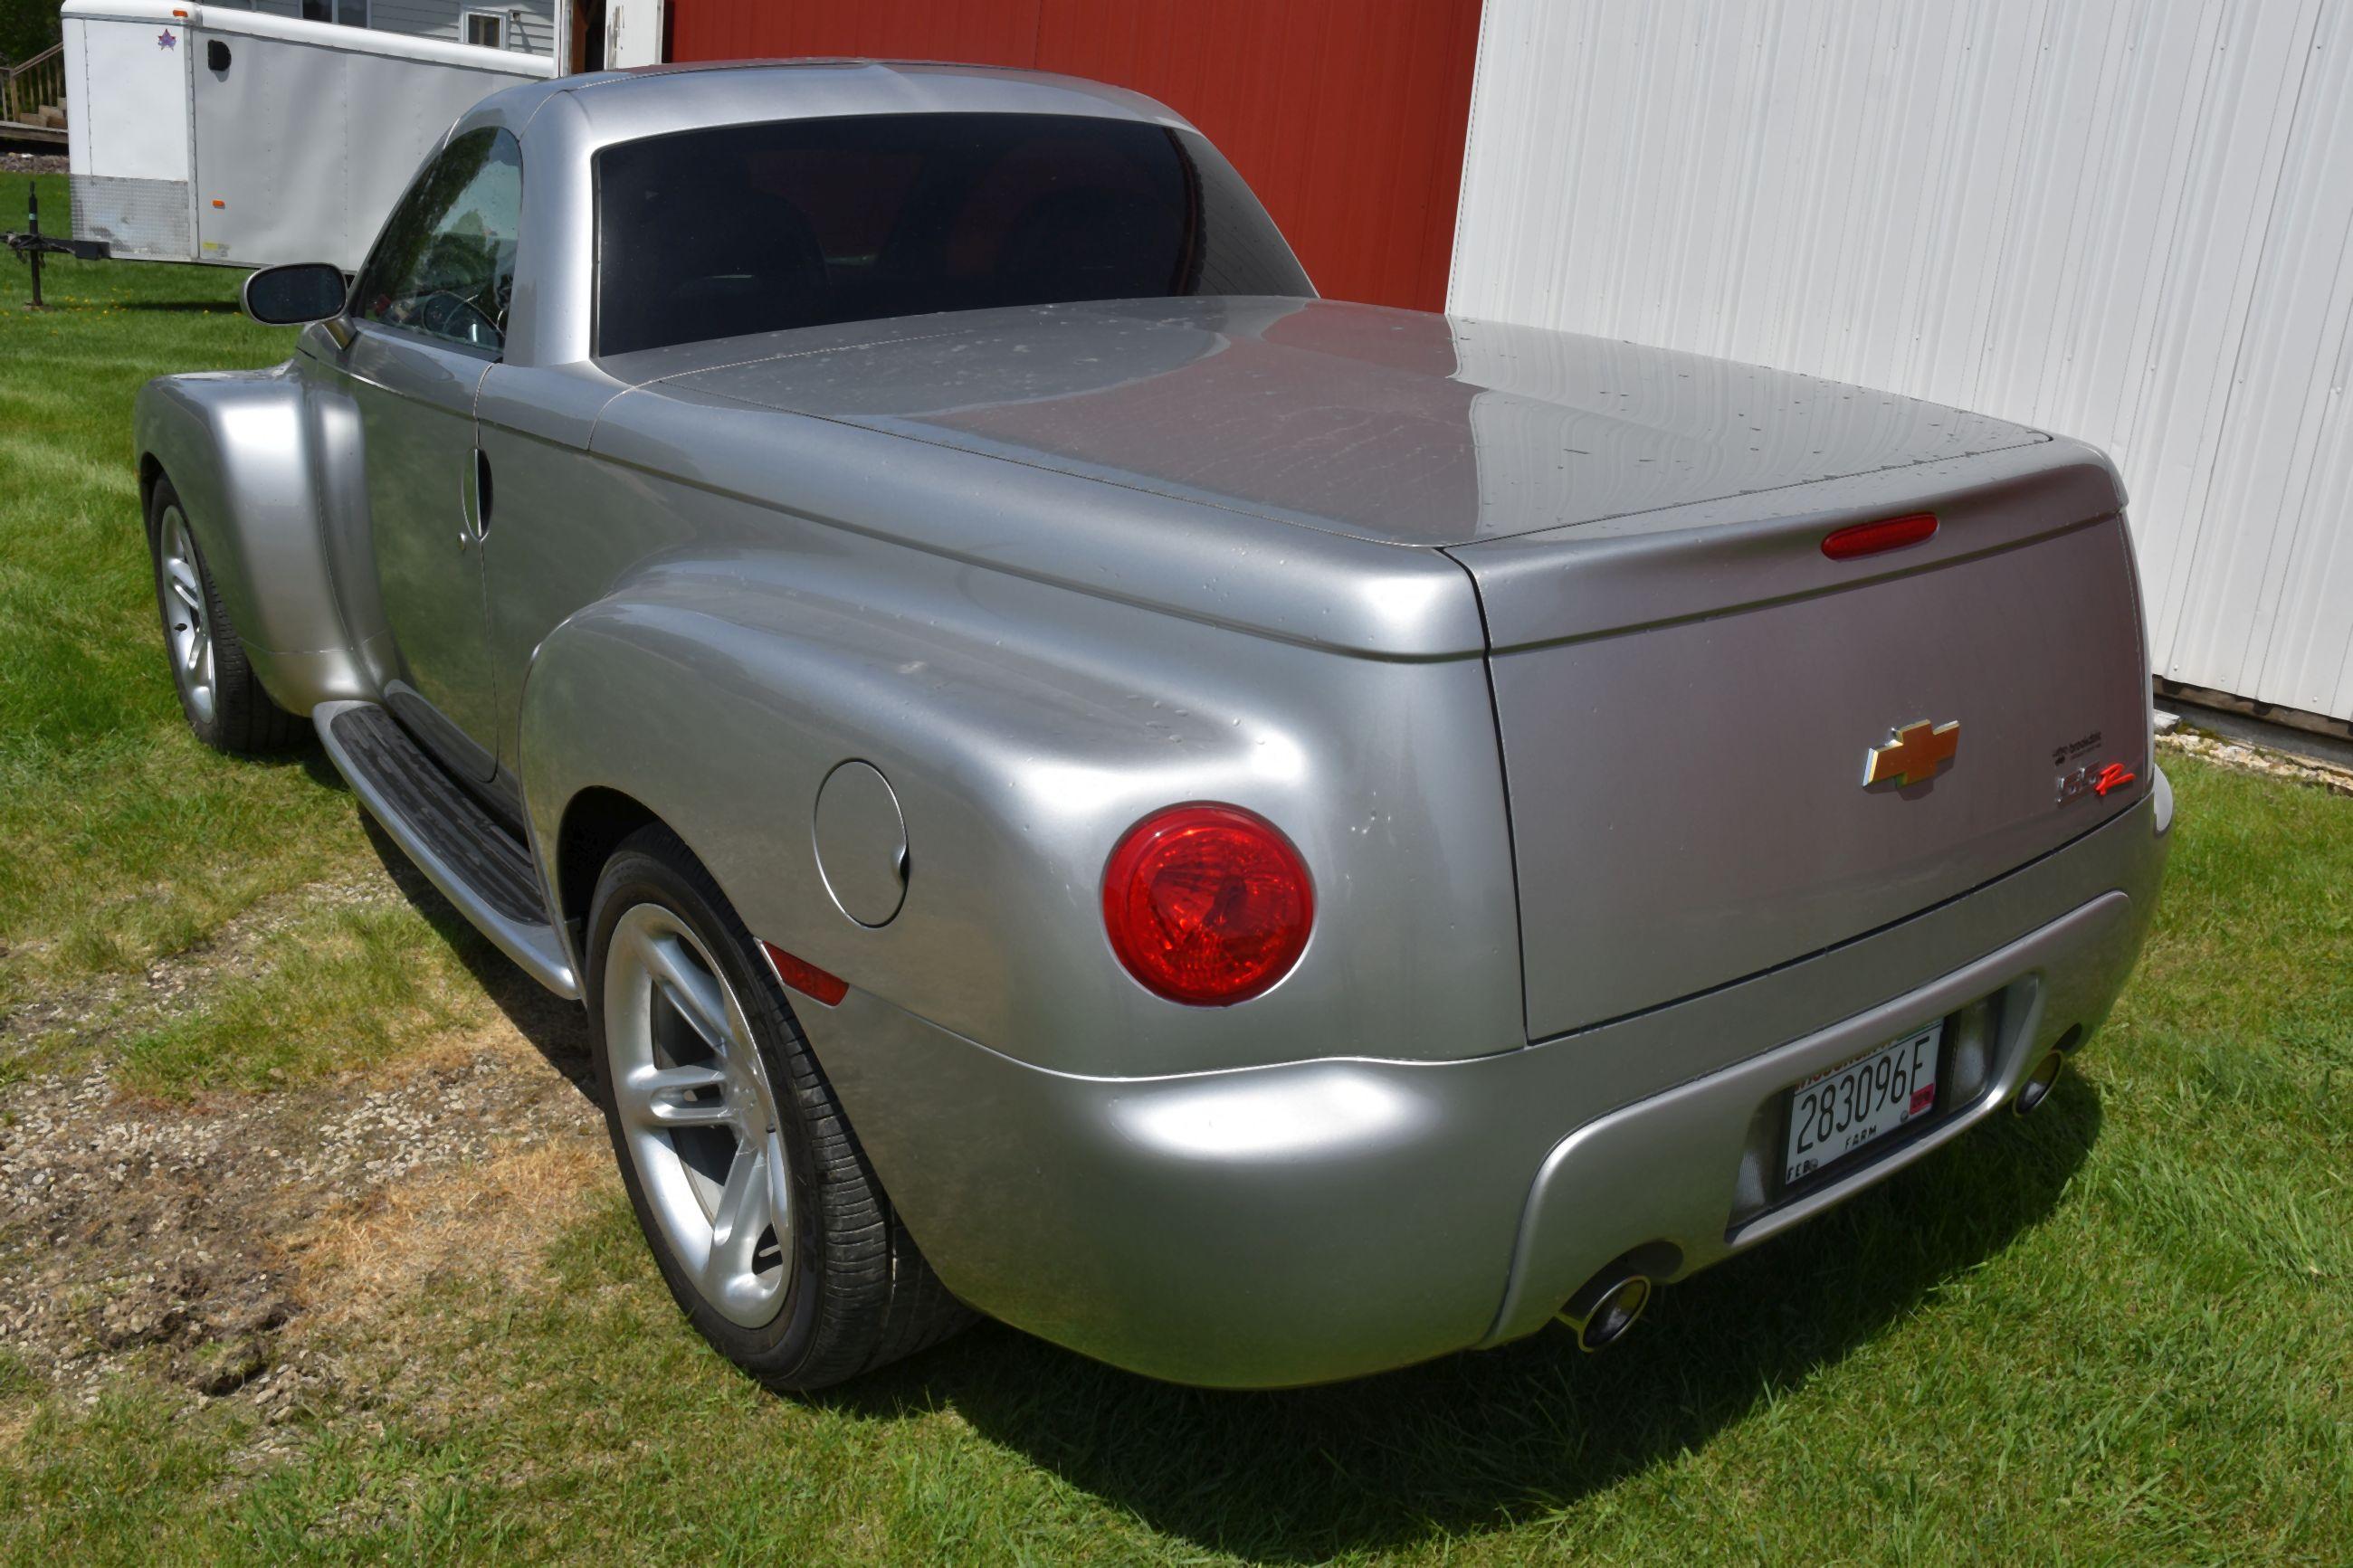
(470, 855)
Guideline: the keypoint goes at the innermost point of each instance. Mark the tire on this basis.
(225, 705)
(840, 1289)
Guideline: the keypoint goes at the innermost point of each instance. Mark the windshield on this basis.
(752, 228)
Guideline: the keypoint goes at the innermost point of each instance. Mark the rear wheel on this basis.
(225, 705)
(763, 1213)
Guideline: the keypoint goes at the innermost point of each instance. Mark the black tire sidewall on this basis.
(653, 867)
(246, 722)
(210, 731)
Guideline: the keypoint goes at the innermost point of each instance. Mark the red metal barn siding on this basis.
(1346, 116)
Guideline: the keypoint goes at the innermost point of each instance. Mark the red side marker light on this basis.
(1208, 905)
(1871, 538)
(805, 977)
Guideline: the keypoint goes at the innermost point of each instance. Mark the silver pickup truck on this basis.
(1258, 839)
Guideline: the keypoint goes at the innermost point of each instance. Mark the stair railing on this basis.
(33, 85)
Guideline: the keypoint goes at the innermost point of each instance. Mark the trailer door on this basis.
(126, 133)
(633, 33)
(307, 133)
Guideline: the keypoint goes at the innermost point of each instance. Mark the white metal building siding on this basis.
(529, 24)
(2126, 220)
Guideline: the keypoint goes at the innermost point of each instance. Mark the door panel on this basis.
(561, 535)
(416, 417)
(428, 318)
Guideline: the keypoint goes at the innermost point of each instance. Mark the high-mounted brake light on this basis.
(1208, 905)
(1871, 538)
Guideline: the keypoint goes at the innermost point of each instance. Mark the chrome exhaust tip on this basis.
(2037, 1087)
(1609, 1304)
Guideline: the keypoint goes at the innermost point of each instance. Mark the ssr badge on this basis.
(2101, 781)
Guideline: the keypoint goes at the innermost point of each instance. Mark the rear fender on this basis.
(1024, 727)
(242, 451)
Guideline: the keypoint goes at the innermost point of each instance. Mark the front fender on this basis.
(1025, 728)
(239, 447)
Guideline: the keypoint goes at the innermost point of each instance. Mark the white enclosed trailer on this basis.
(199, 133)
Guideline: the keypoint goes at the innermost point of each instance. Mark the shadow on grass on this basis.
(555, 1028)
(1483, 1441)
(183, 306)
(312, 760)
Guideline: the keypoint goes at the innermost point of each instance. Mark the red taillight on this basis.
(805, 977)
(1871, 538)
(1206, 904)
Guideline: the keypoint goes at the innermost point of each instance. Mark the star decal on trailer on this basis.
(164, 41)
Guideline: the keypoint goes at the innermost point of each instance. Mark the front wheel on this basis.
(765, 1220)
(225, 705)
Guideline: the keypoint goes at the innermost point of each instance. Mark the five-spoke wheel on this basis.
(223, 698)
(768, 1224)
(186, 632)
(700, 1118)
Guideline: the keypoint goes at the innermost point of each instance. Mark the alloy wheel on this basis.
(186, 629)
(698, 1115)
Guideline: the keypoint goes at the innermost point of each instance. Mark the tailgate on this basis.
(1688, 704)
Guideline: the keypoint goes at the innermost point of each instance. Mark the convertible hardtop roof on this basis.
(805, 62)
(718, 92)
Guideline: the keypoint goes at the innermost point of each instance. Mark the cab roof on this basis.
(653, 100)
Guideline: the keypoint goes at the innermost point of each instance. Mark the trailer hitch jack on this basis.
(32, 245)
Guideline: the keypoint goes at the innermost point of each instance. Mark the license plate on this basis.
(1834, 1113)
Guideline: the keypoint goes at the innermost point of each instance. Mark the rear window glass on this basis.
(799, 223)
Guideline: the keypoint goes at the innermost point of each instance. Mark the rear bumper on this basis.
(1330, 1218)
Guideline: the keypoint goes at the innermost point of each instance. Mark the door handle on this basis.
(474, 501)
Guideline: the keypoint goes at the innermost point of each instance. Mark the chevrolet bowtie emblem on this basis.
(1916, 751)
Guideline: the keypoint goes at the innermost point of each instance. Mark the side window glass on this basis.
(444, 265)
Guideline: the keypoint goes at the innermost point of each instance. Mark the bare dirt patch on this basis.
(486, 1219)
(229, 1243)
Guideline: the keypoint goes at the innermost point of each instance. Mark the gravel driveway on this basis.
(238, 1238)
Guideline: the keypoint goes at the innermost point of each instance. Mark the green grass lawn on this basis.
(2120, 1332)
(123, 842)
